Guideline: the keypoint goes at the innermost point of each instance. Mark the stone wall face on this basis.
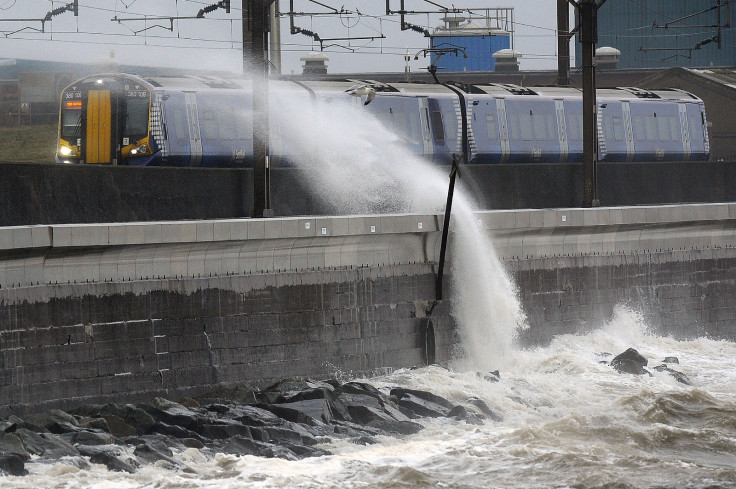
(129, 341)
(683, 293)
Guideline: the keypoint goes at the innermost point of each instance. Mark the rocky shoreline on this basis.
(286, 420)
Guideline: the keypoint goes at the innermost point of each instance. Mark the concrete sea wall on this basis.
(98, 313)
(675, 265)
(123, 312)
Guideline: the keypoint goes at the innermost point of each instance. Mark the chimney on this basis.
(507, 60)
(314, 63)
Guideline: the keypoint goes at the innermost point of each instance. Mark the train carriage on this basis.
(207, 121)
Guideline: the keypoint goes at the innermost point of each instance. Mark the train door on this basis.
(98, 126)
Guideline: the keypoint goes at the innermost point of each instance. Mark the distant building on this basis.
(475, 40)
(656, 34)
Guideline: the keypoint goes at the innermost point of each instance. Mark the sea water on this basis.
(569, 419)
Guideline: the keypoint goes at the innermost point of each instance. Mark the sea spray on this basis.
(358, 165)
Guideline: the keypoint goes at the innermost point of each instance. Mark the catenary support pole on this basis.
(563, 43)
(588, 32)
(255, 62)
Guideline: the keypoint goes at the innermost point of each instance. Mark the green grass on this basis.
(28, 144)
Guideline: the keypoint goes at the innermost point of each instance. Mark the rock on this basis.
(671, 360)
(679, 376)
(52, 417)
(11, 444)
(255, 416)
(175, 431)
(239, 445)
(221, 428)
(630, 362)
(494, 376)
(304, 412)
(422, 403)
(92, 438)
(107, 455)
(12, 464)
(171, 413)
(399, 427)
(147, 453)
(118, 427)
(46, 445)
(99, 424)
(483, 407)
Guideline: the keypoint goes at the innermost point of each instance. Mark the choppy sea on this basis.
(569, 421)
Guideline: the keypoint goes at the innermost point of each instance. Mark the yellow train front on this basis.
(104, 119)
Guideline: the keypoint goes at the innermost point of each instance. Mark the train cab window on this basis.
(136, 118)
(438, 128)
(491, 127)
(71, 120)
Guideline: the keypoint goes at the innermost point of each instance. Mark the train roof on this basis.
(328, 86)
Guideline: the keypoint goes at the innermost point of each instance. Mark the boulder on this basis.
(111, 456)
(12, 464)
(11, 444)
(483, 407)
(630, 362)
(422, 403)
(671, 360)
(171, 413)
(46, 445)
(679, 376)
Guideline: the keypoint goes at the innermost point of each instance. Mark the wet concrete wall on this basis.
(98, 313)
(55, 194)
(674, 265)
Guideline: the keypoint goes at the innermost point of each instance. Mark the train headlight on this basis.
(67, 151)
(140, 150)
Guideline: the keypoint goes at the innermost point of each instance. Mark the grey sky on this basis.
(215, 42)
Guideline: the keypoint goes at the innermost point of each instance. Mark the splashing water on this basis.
(362, 167)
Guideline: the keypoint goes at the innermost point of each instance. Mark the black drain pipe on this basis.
(445, 231)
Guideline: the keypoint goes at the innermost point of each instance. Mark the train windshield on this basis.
(136, 117)
(71, 119)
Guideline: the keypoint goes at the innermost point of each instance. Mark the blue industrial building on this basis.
(475, 42)
(667, 33)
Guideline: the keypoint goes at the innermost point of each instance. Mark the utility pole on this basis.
(255, 61)
(588, 37)
(563, 43)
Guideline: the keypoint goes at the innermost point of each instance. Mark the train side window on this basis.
(674, 128)
(618, 129)
(639, 128)
(650, 126)
(226, 123)
(181, 131)
(438, 128)
(525, 127)
(210, 124)
(491, 127)
(414, 123)
(243, 126)
(663, 128)
(540, 127)
(574, 127)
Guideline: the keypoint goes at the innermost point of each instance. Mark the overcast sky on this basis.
(215, 41)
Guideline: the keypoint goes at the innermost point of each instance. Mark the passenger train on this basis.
(124, 119)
